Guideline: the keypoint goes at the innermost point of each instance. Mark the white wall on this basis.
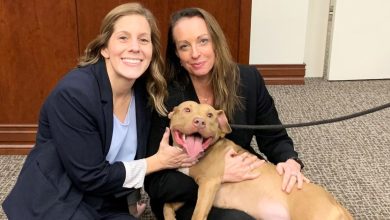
(289, 32)
(278, 31)
(316, 34)
(361, 40)
(294, 32)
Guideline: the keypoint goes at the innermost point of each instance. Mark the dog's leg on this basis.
(206, 194)
(170, 209)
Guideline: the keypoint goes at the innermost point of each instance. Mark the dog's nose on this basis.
(199, 123)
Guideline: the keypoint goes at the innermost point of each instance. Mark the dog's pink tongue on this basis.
(193, 145)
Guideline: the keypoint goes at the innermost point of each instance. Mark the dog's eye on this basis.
(187, 110)
(209, 115)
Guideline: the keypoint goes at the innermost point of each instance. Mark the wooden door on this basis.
(38, 41)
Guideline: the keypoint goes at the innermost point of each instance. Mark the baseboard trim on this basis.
(16, 139)
(15, 149)
(282, 74)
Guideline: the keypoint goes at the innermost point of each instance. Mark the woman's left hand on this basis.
(239, 167)
(291, 171)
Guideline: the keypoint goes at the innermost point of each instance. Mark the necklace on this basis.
(208, 100)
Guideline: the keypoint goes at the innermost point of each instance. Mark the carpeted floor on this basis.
(349, 158)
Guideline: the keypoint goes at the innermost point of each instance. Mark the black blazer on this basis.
(67, 165)
(277, 146)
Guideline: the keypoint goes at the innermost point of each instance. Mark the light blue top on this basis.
(124, 137)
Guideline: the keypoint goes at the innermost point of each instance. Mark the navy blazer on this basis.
(259, 109)
(68, 164)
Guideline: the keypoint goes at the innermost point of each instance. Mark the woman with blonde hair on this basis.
(89, 158)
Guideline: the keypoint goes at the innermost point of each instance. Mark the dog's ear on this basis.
(223, 122)
(170, 114)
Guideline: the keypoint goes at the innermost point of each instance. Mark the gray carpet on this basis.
(349, 158)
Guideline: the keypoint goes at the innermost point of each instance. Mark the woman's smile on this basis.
(131, 61)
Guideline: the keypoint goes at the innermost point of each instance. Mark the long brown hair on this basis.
(225, 77)
(156, 84)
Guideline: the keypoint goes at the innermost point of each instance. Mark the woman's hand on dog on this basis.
(239, 167)
(171, 157)
(291, 171)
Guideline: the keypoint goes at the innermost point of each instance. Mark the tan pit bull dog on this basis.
(199, 127)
